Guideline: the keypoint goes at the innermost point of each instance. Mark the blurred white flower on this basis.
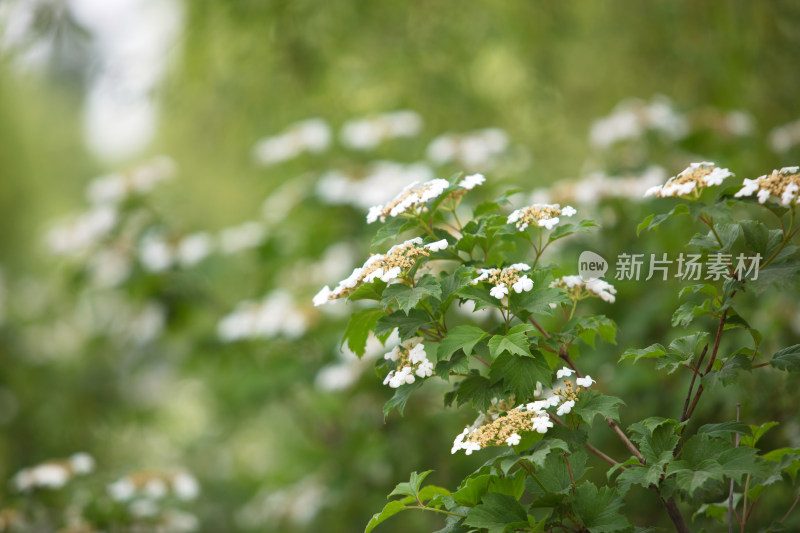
(311, 135)
(369, 132)
(472, 181)
(242, 237)
(475, 150)
(585, 381)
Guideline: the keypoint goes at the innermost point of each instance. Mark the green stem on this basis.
(435, 510)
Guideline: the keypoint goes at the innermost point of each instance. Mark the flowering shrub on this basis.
(481, 304)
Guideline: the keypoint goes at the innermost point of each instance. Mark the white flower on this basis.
(552, 401)
(541, 423)
(523, 284)
(459, 440)
(470, 447)
(513, 440)
(374, 213)
(194, 248)
(548, 223)
(155, 488)
(717, 176)
(568, 211)
(121, 490)
(498, 291)
(437, 246)
(520, 266)
(564, 372)
(392, 273)
(763, 195)
(565, 407)
(81, 463)
(321, 298)
(425, 369)
(602, 288)
(749, 187)
(185, 486)
(470, 182)
(537, 407)
(585, 381)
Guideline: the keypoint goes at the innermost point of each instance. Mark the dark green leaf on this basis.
(787, 359)
(496, 512)
(592, 403)
(401, 394)
(516, 342)
(653, 221)
(460, 338)
(389, 510)
(598, 510)
(359, 328)
(410, 487)
(519, 375)
(406, 324)
(652, 351)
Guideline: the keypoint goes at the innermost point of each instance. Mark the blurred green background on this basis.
(271, 448)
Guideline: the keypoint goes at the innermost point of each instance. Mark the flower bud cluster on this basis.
(414, 196)
(577, 288)
(541, 215)
(386, 267)
(497, 428)
(691, 181)
(783, 184)
(505, 278)
(53, 474)
(411, 360)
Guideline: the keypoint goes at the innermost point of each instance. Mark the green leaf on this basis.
(538, 300)
(368, 291)
(724, 429)
(787, 359)
(410, 487)
(401, 394)
(569, 228)
(653, 221)
(389, 510)
(592, 403)
(478, 294)
(359, 328)
(496, 512)
(451, 283)
(519, 375)
(472, 490)
(516, 342)
(598, 510)
(478, 391)
(739, 462)
(756, 433)
(538, 454)
(407, 297)
(406, 324)
(391, 229)
(687, 345)
(460, 338)
(690, 479)
(652, 351)
(756, 235)
(588, 327)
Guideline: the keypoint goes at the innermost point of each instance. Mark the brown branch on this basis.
(539, 327)
(691, 385)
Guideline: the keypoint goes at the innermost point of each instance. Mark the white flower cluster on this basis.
(503, 278)
(597, 186)
(785, 137)
(84, 232)
(579, 289)
(367, 187)
(632, 118)
(141, 179)
(295, 505)
(245, 236)
(53, 474)
(411, 361)
(369, 132)
(782, 185)
(542, 215)
(157, 253)
(471, 181)
(154, 485)
(414, 196)
(691, 181)
(475, 150)
(385, 267)
(312, 135)
(496, 429)
(276, 314)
